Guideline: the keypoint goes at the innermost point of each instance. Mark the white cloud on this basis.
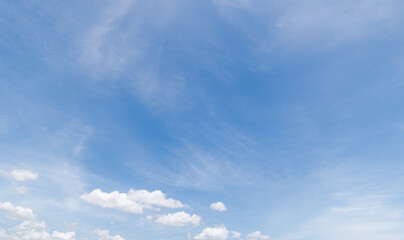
(235, 234)
(133, 202)
(218, 206)
(115, 200)
(256, 236)
(34, 230)
(20, 175)
(16, 212)
(23, 175)
(179, 219)
(31, 230)
(104, 235)
(213, 233)
(63, 236)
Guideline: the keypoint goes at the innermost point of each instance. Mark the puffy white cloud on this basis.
(30, 228)
(20, 175)
(256, 235)
(157, 198)
(235, 234)
(34, 230)
(179, 219)
(133, 202)
(218, 206)
(63, 236)
(16, 212)
(100, 234)
(213, 233)
(115, 200)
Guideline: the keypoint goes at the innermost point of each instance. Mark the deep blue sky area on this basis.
(201, 120)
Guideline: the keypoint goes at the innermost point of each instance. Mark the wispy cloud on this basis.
(335, 23)
(370, 217)
(97, 51)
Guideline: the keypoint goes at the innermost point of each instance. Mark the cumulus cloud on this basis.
(100, 234)
(218, 206)
(133, 202)
(256, 236)
(63, 236)
(16, 212)
(213, 233)
(34, 230)
(20, 175)
(179, 219)
(30, 228)
(235, 234)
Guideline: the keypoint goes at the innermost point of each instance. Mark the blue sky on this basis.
(205, 120)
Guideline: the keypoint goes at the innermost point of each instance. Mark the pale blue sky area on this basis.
(205, 120)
